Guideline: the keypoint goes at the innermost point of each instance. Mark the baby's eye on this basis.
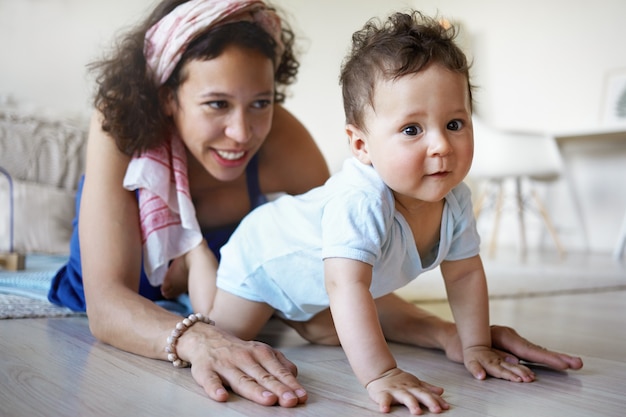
(454, 125)
(412, 130)
(217, 104)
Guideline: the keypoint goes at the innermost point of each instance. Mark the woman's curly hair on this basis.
(130, 101)
(403, 44)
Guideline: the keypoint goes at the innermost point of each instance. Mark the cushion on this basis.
(42, 217)
(42, 150)
(45, 156)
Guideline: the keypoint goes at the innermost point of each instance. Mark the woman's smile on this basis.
(230, 159)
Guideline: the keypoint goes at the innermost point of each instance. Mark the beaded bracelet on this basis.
(182, 327)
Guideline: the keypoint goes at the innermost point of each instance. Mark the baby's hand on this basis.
(398, 387)
(482, 361)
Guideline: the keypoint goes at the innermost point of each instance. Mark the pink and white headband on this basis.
(166, 41)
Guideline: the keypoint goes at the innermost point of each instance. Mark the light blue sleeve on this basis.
(465, 241)
(355, 226)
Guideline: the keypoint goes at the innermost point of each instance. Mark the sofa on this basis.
(44, 157)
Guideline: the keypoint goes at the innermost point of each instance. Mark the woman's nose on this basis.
(238, 127)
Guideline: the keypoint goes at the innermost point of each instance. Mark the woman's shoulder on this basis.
(102, 149)
(105, 165)
(290, 160)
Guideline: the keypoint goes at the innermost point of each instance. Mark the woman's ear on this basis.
(358, 144)
(168, 101)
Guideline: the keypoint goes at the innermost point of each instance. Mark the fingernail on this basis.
(300, 393)
(267, 394)
(220, 391)
(288, 396)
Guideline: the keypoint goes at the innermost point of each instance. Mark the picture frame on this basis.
(613, 111)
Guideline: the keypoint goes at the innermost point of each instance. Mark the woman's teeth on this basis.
(231, 156)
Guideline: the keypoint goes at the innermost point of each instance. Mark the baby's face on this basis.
(419, 133)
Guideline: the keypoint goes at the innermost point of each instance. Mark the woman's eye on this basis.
(261, 104)
(454, 125)
(218, 104)
(412, 130)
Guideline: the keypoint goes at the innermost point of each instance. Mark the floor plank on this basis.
(54, 367)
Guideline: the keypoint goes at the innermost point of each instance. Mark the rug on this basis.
(21, 307)
(23, 294)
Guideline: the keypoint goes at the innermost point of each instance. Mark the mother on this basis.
(187, 137)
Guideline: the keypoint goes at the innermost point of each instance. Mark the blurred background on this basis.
(551, 67)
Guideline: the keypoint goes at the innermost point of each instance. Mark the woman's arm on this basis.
(405, 322)
(111, 255)
(118, 315)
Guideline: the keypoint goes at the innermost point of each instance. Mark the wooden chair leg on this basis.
(548, 222)
(621, 242)
(13, 261)
(520, 214)
(496, 220)
(480, 202)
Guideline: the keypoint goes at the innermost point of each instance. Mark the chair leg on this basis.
(548, 222)
(621, 242)
(496, 220)
(480, 202)
(520, 214)
(571, 185)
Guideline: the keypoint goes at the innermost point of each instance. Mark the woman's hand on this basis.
(251, 369)
(513, 348)
(404, 322)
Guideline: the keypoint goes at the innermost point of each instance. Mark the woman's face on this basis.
(223, 110)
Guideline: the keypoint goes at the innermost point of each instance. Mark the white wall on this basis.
(45, 46)
(540, 65)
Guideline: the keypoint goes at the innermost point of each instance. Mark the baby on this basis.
(398, 208)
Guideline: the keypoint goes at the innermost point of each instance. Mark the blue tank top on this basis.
(67, 289)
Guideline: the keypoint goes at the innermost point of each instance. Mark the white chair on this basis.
(523, 159)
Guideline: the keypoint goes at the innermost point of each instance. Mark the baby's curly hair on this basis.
(128, 98)
(405, 43)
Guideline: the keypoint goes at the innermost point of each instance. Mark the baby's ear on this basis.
(358, 144)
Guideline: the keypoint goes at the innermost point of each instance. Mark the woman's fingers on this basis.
(256, 372)
(507, 339)
(293, 369)
(272, 371)
(211, 383)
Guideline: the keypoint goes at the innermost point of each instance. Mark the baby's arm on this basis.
(466, 286)
(356, 320)
(202, 267)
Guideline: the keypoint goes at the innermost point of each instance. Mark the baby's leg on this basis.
(243, 318)
(319, 330)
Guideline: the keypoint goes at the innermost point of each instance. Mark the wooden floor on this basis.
(54, 367)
